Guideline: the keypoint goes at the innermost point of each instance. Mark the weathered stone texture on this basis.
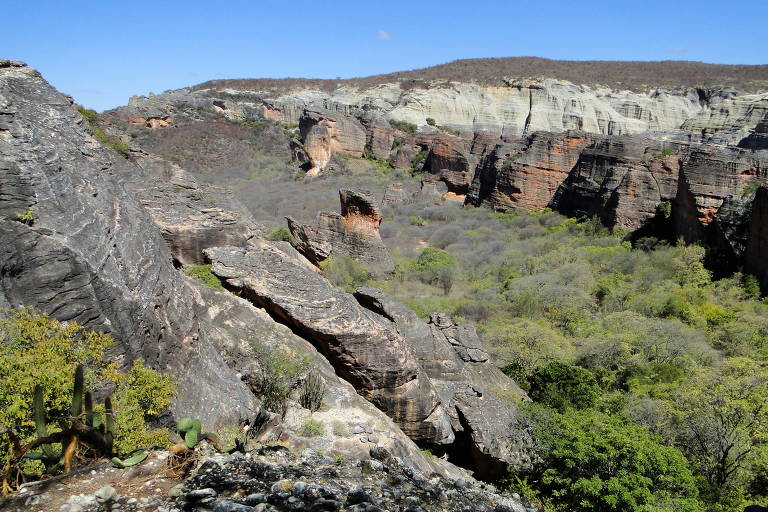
(363, 349)
(353, 233)
(92, 253)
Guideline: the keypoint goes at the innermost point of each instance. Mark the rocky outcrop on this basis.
(351, 424)
(191, 216)
(622, 180)
(354, 233)
(526, 173)
(363, 349)
(480, 399)
(325, 133)
(88, 251)
(757, 246)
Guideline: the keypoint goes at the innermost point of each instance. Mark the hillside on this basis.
(618, 75)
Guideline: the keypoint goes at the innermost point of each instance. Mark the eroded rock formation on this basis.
(354, 233)
(363, 349)
(479, 399)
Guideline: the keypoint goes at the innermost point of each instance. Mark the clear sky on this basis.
(102, 52)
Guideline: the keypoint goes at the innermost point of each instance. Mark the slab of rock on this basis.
(365, 350)
(354, 233)
(480, 399)
(191, 216)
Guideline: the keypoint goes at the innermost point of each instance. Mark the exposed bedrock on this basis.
(756, 259)
(237, 327)
(519, 107)
(525, 173)
(353, 233)
(91, 253)
(191, 216)
(622, 180)
(363, 349)
(325, 133)
(713, 204)
(479, 398)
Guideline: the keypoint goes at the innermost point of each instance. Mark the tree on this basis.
(591, 461)
(562, 385)
(721, 421)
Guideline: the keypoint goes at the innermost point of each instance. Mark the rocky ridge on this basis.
(102, 247)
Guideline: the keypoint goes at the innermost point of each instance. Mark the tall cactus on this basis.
(109, 425)
(78, 391)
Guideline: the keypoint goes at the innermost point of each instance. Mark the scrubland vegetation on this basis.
(648, 379)
(492, 71)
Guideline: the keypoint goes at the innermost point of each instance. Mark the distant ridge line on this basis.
(618, 75)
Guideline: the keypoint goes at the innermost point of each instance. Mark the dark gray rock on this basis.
(191, 216)
(92, 253)
(478, 397)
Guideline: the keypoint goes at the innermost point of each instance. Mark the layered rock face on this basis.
(621, 180)
(353, 233)
(475, 393)
(364, 350)
(526, 173)
(325, 133)
(91, 253)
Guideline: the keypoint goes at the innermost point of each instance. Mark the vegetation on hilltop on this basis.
(631, 75)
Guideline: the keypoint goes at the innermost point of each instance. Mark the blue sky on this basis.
(102, 52)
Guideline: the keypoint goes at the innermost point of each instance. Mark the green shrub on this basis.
(92, 118)
(415, 220)
(281, 375)
(204, 274)
(140, 397)
(417, 160)
(562, 386)
(431, 258)
(431, 122)
(281, 234)
(27, 217)
(38, 350)
(345, 272)
(596, 462)
(749, 192)
(312, 428)
(404, 126)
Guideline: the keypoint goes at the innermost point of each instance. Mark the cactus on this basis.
(109, 425)
(78, 392)
(190, 430)
(134, 458)
(38, 406)
(88, 401)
